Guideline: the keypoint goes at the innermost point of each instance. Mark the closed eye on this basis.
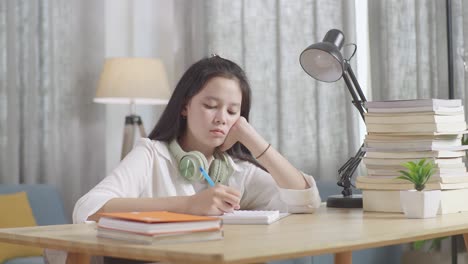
(210, 106)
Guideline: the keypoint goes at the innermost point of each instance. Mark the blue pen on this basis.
(207, 177)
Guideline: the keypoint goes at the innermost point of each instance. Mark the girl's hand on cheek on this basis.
(237, 133)
(214, 201)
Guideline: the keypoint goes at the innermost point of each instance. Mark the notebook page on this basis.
(249, 217)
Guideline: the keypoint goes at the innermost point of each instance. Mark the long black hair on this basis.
(171, 125)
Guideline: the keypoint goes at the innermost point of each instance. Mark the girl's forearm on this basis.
(284, 173)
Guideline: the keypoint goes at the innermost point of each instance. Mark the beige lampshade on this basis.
(133, 80)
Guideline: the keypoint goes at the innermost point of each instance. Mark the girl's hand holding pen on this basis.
(214, 201)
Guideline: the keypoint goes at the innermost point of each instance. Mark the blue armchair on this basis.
(47, 207)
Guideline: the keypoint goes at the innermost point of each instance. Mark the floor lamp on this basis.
(132, 81)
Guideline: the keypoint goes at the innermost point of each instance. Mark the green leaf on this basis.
(410, 165)
(436, 242)
(417, 245)
(465, 139)
(421, 162)
(420, 175)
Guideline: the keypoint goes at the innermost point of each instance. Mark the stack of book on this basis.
(159, 227)
(410, 130)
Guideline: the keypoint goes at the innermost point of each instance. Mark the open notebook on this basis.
(247, 217)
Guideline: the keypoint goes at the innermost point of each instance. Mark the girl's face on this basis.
(211, 113)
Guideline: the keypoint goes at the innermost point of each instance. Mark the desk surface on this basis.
(326, 231)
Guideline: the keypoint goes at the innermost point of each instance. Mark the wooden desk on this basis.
(337, 231)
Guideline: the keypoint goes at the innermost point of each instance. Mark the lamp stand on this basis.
(347, 199)
(340, 201)
(132, 122)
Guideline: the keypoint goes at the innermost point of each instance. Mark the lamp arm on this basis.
(347, 170)
(353, 87)
(355, 82)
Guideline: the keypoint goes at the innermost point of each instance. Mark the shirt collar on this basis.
(163, 149)
(233, 164)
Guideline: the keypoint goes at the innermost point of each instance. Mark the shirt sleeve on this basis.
(302, 201)
(127, 180)
(262, 193)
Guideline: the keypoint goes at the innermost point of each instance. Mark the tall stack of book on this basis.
(158, 227)
(410, 130)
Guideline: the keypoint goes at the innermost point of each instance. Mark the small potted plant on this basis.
(419, 203)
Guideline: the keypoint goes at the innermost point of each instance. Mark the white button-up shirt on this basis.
(149, 170)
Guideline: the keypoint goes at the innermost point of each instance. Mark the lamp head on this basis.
(324, 61)
(133, 80)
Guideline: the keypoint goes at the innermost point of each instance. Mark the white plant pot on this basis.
(424, 204)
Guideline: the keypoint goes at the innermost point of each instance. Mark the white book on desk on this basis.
(451, 201)
(420, 148)
(415, 154)
(412, 144)
(419, 133)
(455, 168)
(410, 186)
(168, 238)
(416, 127)
(443, 172)
(397, 162)
(435, 110)
(410, 118)
(411, 137)
(461, 178)
(255, 217)
(430, 102)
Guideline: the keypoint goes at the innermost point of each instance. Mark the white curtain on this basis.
(408, 41)
(312, 123)
(409, 55)
(460, 49)
(51, 53)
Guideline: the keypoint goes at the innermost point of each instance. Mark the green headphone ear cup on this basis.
(188, 162)
(220, 169)
(189, 165)
(216, 171)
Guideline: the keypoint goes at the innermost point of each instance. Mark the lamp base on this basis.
(339, 201)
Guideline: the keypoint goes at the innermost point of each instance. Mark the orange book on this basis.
(159, 217)
(158, 222)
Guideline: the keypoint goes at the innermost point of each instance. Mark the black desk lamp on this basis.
(324, 62)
